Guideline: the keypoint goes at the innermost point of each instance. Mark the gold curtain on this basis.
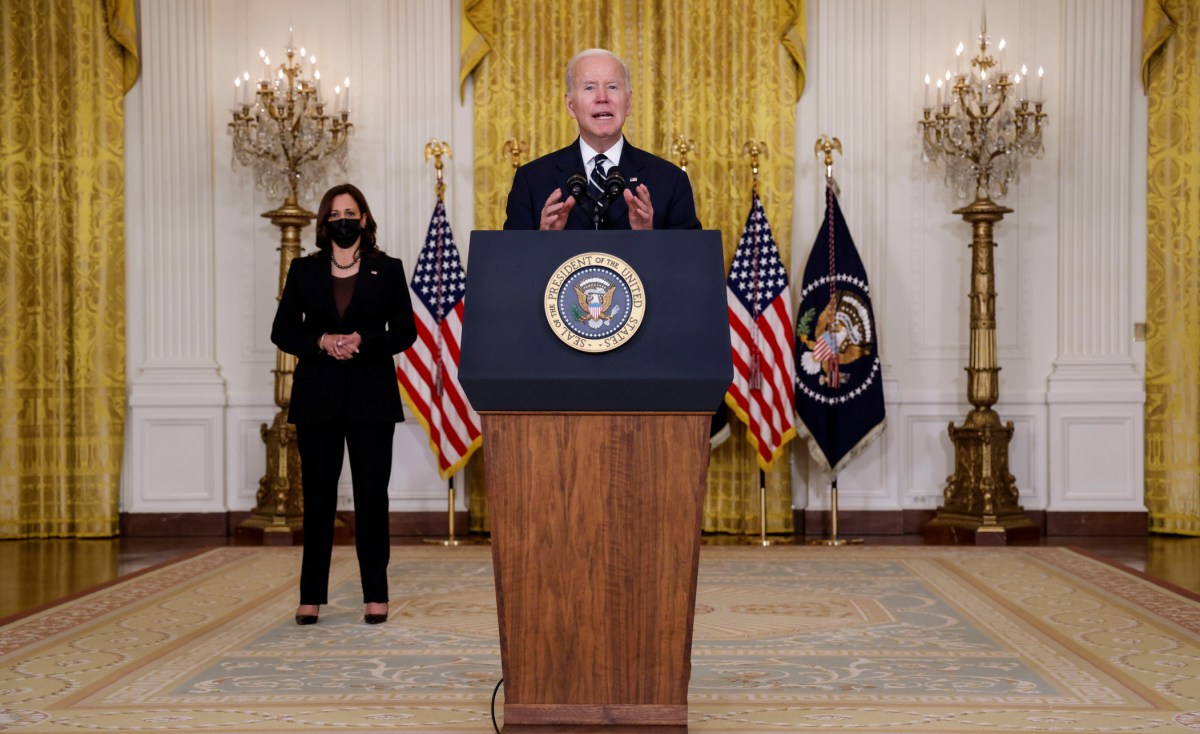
(67, 65)
(721, 73)
(1171, 75)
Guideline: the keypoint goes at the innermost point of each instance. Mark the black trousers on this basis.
(322, 446)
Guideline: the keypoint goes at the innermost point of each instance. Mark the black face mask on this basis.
(344, 232)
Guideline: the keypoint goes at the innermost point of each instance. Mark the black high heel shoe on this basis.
(376, 618)
(306, 618)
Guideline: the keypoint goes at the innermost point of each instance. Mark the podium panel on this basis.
(595, 464)
(595, 534)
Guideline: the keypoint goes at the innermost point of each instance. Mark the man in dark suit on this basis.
(599, 97)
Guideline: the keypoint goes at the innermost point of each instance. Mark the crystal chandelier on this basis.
(982, 123)
(284, 133)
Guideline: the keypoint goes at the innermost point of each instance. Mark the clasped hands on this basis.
(641, 212)
(341, 346)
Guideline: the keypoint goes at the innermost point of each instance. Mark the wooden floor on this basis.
(36, 572)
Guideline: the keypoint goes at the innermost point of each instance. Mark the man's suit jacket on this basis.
(380, 310)
(670, 191)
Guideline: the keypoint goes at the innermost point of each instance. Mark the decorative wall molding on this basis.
(1071, 381)
(1096, 391)
(176, 392)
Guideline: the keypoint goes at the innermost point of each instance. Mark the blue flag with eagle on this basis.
(839, 388)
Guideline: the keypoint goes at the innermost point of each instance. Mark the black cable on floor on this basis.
(494, 692)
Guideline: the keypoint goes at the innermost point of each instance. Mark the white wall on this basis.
(1070, 278)
(203, 265)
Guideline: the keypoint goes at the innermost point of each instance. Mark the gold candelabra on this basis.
(981, 127)
(292, 143)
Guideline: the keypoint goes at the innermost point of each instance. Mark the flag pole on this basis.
(763, 540)
(449, 540)
(833, 538)
(826, 145)
(436, 149)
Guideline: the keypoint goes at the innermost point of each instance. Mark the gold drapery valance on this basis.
(1171, 75)
(68, 65)
(721, 75)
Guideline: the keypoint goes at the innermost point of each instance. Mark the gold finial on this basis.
(754, 150)
(514, 148)
(827, 145)
(681, 147)
(436, 149)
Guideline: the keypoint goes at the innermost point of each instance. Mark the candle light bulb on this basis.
(262, 53)
(1024, 70)
(267, 60)
(958, 59)
(304, 53)
(1040, 96)
(939, 92)
(927, 91)
(346, 99)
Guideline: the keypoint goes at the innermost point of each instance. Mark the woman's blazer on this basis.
(365, 386)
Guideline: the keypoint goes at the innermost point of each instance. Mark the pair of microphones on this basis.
(614, 186)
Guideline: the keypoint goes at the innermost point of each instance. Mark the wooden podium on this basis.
(595, 466)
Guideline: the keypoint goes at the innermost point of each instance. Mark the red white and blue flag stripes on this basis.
(760, 322)
(428, 371)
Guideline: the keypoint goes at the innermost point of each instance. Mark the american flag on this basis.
(760, 323)
(428, 371)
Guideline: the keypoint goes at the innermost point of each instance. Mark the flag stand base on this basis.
(834, 540)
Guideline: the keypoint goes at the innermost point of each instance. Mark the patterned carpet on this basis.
(863, 639)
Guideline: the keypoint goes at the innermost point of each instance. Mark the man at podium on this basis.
(600, 181)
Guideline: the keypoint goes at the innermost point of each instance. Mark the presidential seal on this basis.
(595, 302)
(835, 337)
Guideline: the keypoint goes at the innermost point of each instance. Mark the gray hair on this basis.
(595, 52)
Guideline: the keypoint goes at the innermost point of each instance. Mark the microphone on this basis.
(577, 186)
(614, 184)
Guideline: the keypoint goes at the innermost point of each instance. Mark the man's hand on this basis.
(555, 212)
(641, 211)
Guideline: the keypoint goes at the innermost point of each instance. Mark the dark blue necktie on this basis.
(597, 181)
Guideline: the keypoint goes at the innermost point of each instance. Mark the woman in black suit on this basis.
(344, 312)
